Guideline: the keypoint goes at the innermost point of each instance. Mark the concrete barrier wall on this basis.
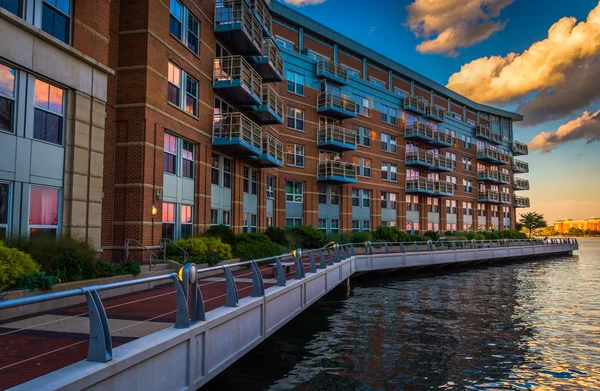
(185, 359)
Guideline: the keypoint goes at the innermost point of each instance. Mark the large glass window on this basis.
(56, 18)
(184, 98)
(363, 106)
(170, 159)
(388, 143)
(295, 118)
(363, 166)
(174, 76)
(293, 191)
(13, 6)
(389, 171)
(8, 78)
(187, 164)
(295, 83)
(184, 26)
(250, 180)
(284, 43)
(48, 112)
(43, 211)
(388, 115)
(187, 226)
(226, 172)
(377, 82)
(168, 220)
(176, 22)
(295, 155)
(4, 209)
(363, 136)
(270, 187)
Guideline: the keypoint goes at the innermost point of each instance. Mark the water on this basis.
(527, 325)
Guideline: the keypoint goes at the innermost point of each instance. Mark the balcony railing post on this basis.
(100, 341)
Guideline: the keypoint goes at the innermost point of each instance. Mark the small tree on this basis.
(532, 220)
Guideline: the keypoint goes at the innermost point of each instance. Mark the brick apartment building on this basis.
(175, 115)
(563, 226)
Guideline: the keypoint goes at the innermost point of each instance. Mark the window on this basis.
(221, 171)
(48, 112)
(355, 225)
(295, 155)
(481, 210)
(56, 18)
(13, 6)
(316, 56)
(323, 225)
(183, 20)
(466, 142)
(170, 158)
(388, 115)
(226, 217)
(187, 165)
(506, 210)
(470, 122)
(270, 187)
(270, 221)
(377, 82)
(452, 179)
(215, 176)
(187, 227)
(389, 172)
(168, 220)
(334, 226)
(4, 209)
(352, 72)
(467, 164)
(363, 106)
(226, 172)
(451, 156)
(184, 98)
(433, 205)
(366, 198)
(363, 166)
(249, 222)
(295, 118)
(355, 197)
(322, 194)
(214, 216)
(468, 185)
(467, 208)
(363, 136)
(334, 195)
(451, 227)
(295, 83)
(366, 225)
(293, 222)
(451, 207)
(293, 191)
(43, 211)
(400, 92)
(8, 78)
(388, 143)
(250, 180)
(388, 200)
(284, 43)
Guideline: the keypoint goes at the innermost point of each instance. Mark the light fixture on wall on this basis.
(154, 210)
(159, 195)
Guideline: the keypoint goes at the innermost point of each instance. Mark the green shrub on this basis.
(128, 267)
(40, 281)
(14, 265)
(255, 246)
(206, 246)
(306, 237)
(512, 234)
(222, 232)
(386, 234)
(341, 238)
(278, 235)
(417, 238)
(361, 236)
(67, 258)
(434, 236)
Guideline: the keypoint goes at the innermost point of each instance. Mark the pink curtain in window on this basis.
(43, 206)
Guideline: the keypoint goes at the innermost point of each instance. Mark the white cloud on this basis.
(545, 65)
(450, 24)
(372, 31)
(585, 127)
(301, 3)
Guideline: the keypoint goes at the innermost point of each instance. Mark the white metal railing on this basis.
(441, 137)
(422, 156)
(419, 129)
(337, 100)
(520, 148)
(336, 168)
(487, 152)
(237, 68)
(435, 112)
(271, 51)
(484, 131)
(520, 166)
(237, 11)
(504, 198)
(490, 195)
(237, 125)
(332, 68)
(521, 202)
(416, 103)
(427, 185)
(272, 147)
(521, 184)
(493, 175)
(272, 99)
(327, 133)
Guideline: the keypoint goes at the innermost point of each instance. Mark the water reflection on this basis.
(515, 326)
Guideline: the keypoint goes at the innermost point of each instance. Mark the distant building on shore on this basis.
(562, 226)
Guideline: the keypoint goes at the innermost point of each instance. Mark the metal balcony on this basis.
(493, 156)
(416, 104)
(263, 15)
(332, 71)
(336, 138)
(270, 64)
(521, 184)
(493, 197)
(271, 110)
(520, 149)
(484, 132)
(521, 202)
(272, 152)
(441, 139)
(426, 186)
(505, 198)
(428, 161)
(237, 134)
(435, 113)
(493, 176)
(237, 81)
(520, 166)
(336, 105)
(337, 172)
(421, 131)
(238, 28)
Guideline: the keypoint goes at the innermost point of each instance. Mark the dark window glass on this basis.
(215, 170)
(47, 127)
(174, 94)
(13, 6)
(169, 165)
(191, 98)
(175, 27)
(227, 173)
(55, 22)
(188, 160)
(193, 37)
(4, 204)
(6, 114)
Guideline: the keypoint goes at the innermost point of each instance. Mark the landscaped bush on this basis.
(417, 238)
(222, 232)
(255, 246)
(512, 234)
(206, 246)
(361, 236)
(40, 281)
(14, 265)
(386, 234)
(306, 237)
(341, 238)
(278, 235)
(434, 236)
(67, 258)
(128, 267)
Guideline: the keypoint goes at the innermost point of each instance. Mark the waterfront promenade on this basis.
(239, 310)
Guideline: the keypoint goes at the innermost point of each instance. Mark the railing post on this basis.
(231, 298)
(329, 257)
(182, 318)
(352, 250)
(313, 264)
(454, 246)
(416, 247)
(336, 251)
(473, 244)
(387, 250)
(298, 266)
(189, 275)
(280, 273)
(100, 343)
(258, 285)
(322, 263)
(402, 248)
(429, 246)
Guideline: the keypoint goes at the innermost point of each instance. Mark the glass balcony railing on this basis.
(426, 186)
(521, 184)
(332, 71)
(237, 80)
(494, 156)
(238, 28)
(270, 64)
(336, 105)
(238, 134)
(520, 148)
(521, 202)
(336, 138)
(333, 171)
(520, 167)
(493, 176)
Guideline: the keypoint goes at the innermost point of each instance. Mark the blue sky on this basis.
(564, 182)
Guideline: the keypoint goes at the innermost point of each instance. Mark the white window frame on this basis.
(390, 171)
(185, 28)
(298, 118)
(271, 189)
(298, 152)
(182, 223)
(183, 92)
(9, 208)
(295, 197)
(363, 133)
(361, 169)
(386, 115)
(48, 111)
(13, 99)
(389, 143)
(295, 82)
(284, 43)
(364, 105)
(58, 207)
(377, 83)
(352, 71)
